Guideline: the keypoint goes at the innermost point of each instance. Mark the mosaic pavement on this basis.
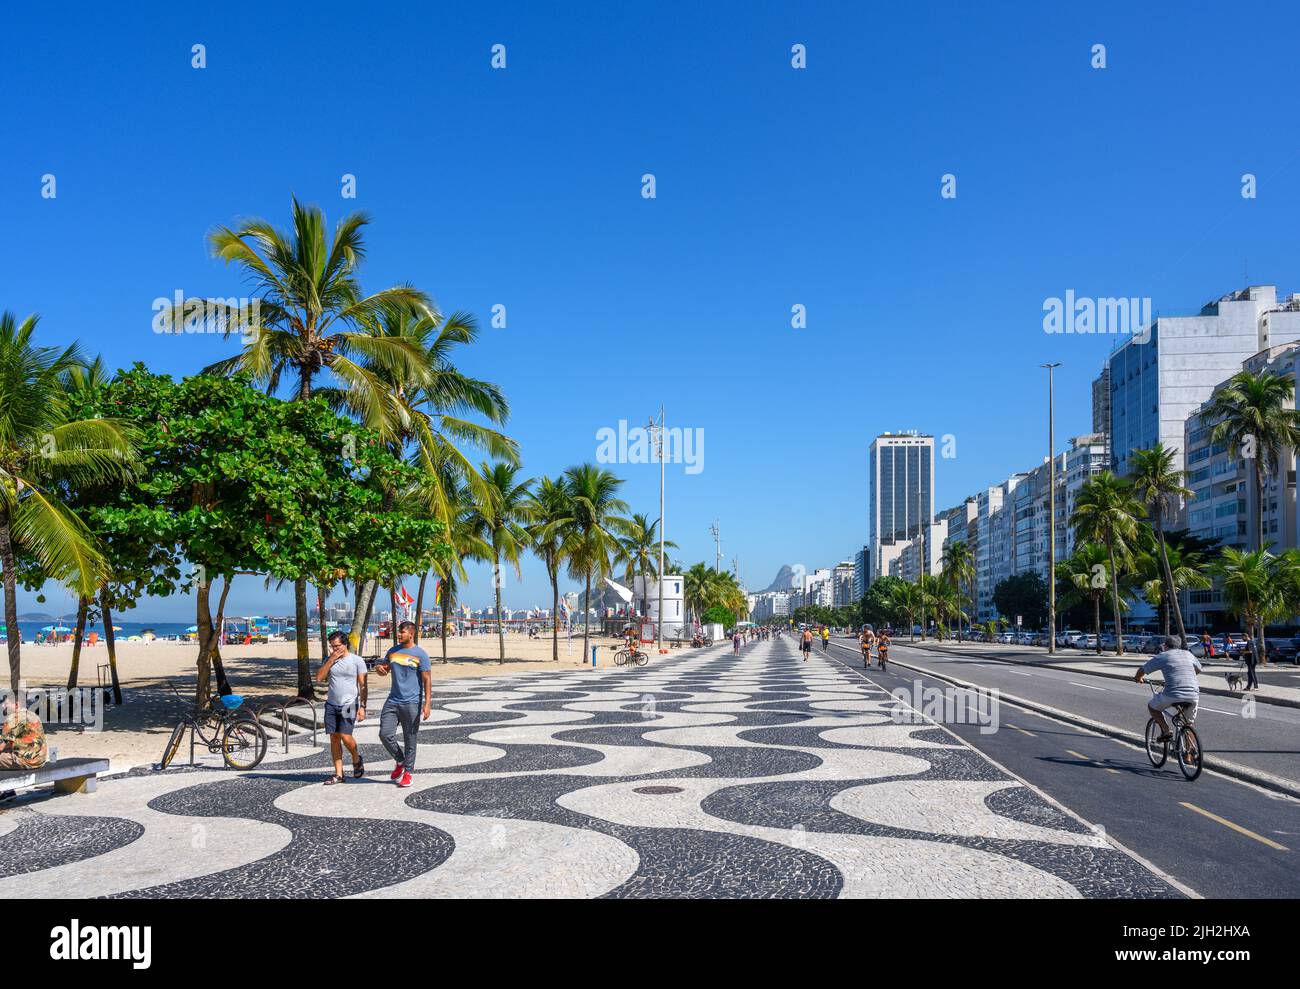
(697, 776)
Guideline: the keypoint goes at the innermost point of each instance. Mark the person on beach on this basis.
(805, 643)
(408, 701)
(882, 648)
(345, 705)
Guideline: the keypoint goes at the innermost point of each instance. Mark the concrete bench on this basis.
(67, 775)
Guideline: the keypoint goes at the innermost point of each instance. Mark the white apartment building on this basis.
(902, 494)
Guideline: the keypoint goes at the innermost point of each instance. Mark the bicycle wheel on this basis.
(641, 658)
(243, 743)
(1157, 751)
(173, 745)
(1190, 759)
(620, 657)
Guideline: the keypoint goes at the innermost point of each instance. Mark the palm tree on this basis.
(1256, 421)
(467, 543)
(905, 601)
(1252, 588)
(552, 511)
(1160, 486)
(1087, 574)
(1160, 590)
(640, 549)
(503, 513)
(313, 316)
(695, 589)
(592, 535)
(42, 450)
(959, 570)
(1105, 511)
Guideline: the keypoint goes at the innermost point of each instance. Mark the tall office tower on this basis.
(1101, 405)
(902, 494)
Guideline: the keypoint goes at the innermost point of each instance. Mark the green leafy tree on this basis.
(959, 571)
(592, 535)
(1105, 511)
(1024, 594)
(504, 512)
(551, 510)
(1086, 575)
(1160, 487)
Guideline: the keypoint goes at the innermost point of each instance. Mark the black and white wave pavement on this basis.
(697, 776)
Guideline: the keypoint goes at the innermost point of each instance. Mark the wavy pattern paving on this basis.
(699, 776)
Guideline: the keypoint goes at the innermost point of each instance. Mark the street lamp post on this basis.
(659, 625)
(1051, 513)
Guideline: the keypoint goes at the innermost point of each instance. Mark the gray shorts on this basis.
(1163, 702)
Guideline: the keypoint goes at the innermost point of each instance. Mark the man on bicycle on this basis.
(1181, 686)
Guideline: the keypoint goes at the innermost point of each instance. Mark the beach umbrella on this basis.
(192, 628)
(56, 628)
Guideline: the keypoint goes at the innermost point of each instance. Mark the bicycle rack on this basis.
(283, 708)
(301, 700)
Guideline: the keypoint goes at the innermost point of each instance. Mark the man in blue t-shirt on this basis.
(408, 700)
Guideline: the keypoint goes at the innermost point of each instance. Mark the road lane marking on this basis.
(1088, 685)
(1235, 827)
(1094, 762)
(1021, 730)
(1019, 673)
(1231, 714)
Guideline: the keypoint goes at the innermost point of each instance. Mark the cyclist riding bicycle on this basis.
(1181, 686)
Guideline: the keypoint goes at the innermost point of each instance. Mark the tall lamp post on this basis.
(659, 623)
(1051, 512)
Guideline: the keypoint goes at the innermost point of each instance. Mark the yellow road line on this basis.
(1080, 755)
(1021, 730)
(1235, 827)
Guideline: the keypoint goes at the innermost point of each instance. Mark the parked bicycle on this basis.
(1186, 743)
(630, 657)
(224, 726)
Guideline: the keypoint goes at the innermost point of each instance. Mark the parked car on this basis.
(1068, 637)
(1196, 647)
(1108, 640)
(1086, 642)
(1133, 642)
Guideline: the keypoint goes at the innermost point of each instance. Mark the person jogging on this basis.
(882, 648)
(412, 682)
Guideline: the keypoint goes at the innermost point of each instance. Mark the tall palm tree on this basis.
(592, 536)
(959, 570)
(640, 548)
(1162, 581)
(551, 509)
(43, 451)
(1105, 511)
(1160, 486)
(503, 514)
(467, 543)
(695, 589)
(313, 317)
(1257, 421)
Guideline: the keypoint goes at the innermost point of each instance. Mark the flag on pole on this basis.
(437, 592)
(403, 598)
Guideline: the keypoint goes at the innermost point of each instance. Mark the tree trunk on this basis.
(586, 618)
(14, 634)
(1259, 499)
(392, 604)
(496, 579)
(1114, 596)
(419, 605)
(365, 597)
(1096, 619)
(218, 630)
(446, 613)
(1171, 592)
(300, 622)
(203, 621)
(324, 632)
(110, 642)
(83, 605)
(555, 614)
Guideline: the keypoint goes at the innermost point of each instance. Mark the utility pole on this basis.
(717, 546)
(663, 521)
(920, 560)
(1051, 513)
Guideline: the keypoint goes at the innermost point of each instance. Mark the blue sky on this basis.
(775, 187)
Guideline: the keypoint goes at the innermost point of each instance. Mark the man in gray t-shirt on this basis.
(1179, 668)
(345, 705)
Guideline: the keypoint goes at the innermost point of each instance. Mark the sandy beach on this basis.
(134, 733)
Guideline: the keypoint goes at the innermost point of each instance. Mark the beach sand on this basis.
(134, 733)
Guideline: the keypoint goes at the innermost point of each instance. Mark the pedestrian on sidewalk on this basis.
(826, 638)
(805, 643)
(345, 704)
(408, 701)
(1251, 658)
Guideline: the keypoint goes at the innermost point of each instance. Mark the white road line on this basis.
(1020, 674)
(1088, 685)
(1231, 714)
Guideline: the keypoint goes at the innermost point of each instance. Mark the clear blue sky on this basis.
(776, 187)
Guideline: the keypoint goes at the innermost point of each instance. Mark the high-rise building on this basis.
(1160, 377)
(902, 494)
(842, 578)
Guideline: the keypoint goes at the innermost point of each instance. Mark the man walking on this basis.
(345, 705)
(408, 700)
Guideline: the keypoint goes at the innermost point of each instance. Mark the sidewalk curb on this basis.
(1216, 691)
(1267, 781)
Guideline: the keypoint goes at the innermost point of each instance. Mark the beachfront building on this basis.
(1161, 377)
(842, 584)
(902, 494)
(861, 572)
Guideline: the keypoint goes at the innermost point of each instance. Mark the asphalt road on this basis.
(1267, 738)
(1219, 837)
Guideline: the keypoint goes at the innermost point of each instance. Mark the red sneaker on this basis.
(405, 780)
(397, 773)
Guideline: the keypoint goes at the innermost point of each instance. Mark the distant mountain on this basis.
(784, 580)
(36, 616)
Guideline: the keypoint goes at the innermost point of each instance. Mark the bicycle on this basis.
(630, 657)
(224, 726)
(1186, 742)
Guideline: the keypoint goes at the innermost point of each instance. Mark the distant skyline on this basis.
(775, 188)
